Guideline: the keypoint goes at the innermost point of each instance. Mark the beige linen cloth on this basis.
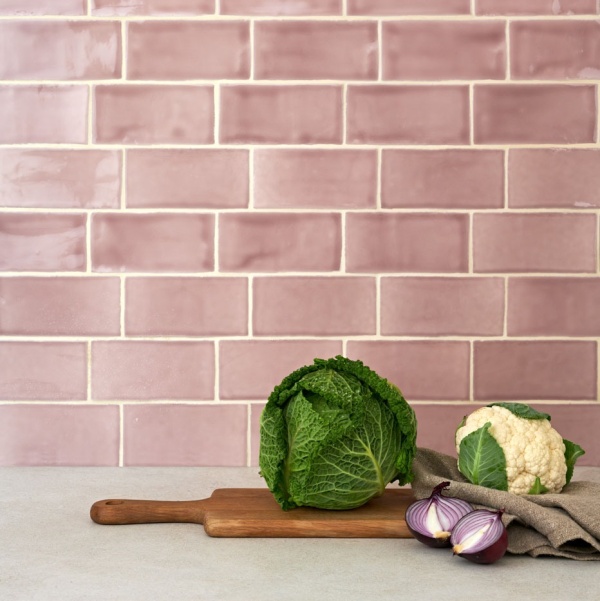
(559, 525)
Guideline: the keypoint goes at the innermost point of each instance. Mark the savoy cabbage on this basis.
(333, 435)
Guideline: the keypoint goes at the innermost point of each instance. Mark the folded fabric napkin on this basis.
(559, 525)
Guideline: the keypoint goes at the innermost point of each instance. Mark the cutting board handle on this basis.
(131, 511)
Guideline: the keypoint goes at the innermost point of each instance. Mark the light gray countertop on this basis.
(50, 549)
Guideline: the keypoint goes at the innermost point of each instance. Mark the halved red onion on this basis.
(431, 520)
(480, 536)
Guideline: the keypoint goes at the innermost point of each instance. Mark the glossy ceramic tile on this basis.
(555, 50)
(60, 50)
(542, 114)
(442, 306)
(408, 114)
(280, 242)
(281, 114)
(567, 178)
(442, 179)
(250, 369)
(176, 306)
(422, 369)
(26, 8)
(190, 178)
(170, 435)
(532, 242)
(103, 8)
(315, 179)
(38, 242)
(43, 114)
(59, 435)
(535, 370)
(315, 50)
(147, 114)
(60, 178)
(188, 50)
(554, 307)
(47, 371)
(430, 50)
(313, 306)
(149, 370)
(419, 242)
(535, 7)
(408, 7)
(179, 242)
(59, 306)
(281, 8)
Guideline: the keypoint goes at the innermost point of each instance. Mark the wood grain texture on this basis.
(253, 512)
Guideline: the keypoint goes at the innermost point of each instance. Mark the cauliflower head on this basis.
(510, 446)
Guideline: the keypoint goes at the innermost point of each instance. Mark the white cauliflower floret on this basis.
(532, 448)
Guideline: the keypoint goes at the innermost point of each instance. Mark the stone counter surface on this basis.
(50, 549)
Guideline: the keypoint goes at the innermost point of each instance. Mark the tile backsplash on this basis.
(199, 196)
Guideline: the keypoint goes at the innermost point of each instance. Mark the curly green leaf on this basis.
(572, 453)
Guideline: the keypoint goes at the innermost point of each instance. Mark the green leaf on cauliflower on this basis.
(572, 452)
(522, 410)
(537, 488)
(334, 434)
(481, 459)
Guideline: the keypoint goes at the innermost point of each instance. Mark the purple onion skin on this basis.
(492, 554)
(460, 509)
(492, 547)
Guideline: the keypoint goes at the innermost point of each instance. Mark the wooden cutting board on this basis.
(253, 512)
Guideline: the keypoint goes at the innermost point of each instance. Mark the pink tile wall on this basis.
(199, 196)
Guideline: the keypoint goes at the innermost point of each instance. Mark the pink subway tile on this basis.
(43, 114)
(187, 178)
(535, 7)
(186, 435)
(408, 114)
(314, 306)
(556, 177)
(152, 370)
(150, 114)
(553, 306)
(250, 369)
(442, 179)
(315, 50)
(429, 50)
(279, 242)
(283, 8)
(542, 113)
(88, 179)
(178, 306)
(555, 50)
(26, 8)
(59, 435)
(256, 410)
(59, 306)
(423, 370)
(60, 50)
(409, 7)
(188, 50)
(442, 306)
(281, 114)
(534, 242)
(42, 242)
(103, 8)
(418, 242)
(160, 242)
(43, 371)
(532, 370)
(315, 179)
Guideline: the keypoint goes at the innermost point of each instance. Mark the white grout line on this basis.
(345, 8)
(217, 7)
(472, 8)
(89, 8)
